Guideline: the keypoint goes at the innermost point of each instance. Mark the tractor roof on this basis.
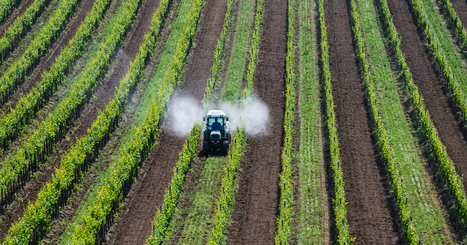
(216, 113)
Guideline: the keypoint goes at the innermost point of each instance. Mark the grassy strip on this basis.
(340, 212)
(77, 160)
(409, 229)
(21, 25)
(13, 124)
(96, 217)
(309, 225)
(18, 165)
(427, 215)
(161, 220)
(439, 150)
(15, 74)
(6, 7)
(285, 182)
(453, 21)
(226, 197)
(237, 62)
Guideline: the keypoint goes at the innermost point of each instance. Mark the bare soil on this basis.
(103, 94)
(370, 209)
(133, 225)
(430, 85)
(256, 202)
(49, 59)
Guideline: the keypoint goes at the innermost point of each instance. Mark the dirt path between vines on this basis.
(369, 211)
(133, 225)
(14, 15)
(429, 85)
(102, 96)
(460, 6)
(49, 59)
(256, 202)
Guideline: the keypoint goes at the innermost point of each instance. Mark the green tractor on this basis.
(216, 134)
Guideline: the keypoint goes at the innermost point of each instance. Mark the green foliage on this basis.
(454, 21)
(22, 24)
(87, 147)
(6, 7)
(437, 147)
(285, 182)
(161, 220)
(14, 123)
(340, 212)
(383, 139)
(226, 196)
(95, 217)
(42, 141)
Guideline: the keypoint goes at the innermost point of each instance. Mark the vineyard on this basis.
(348, 121)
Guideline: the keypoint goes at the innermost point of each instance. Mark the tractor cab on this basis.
(216, 134)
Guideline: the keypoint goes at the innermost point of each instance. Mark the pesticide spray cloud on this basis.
(183, 113)
(255, 117)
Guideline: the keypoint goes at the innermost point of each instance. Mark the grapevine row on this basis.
(340, 212)
(95, 220)
(6, 7)
(381, 133)
(439, 150)
(18, 165)
(226, 196)
(21, 67)
(13, 124)
(21, 25)
(163, 216)
(285, 184)
(454, 21)
(79, 158)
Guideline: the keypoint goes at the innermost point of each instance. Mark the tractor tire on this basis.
(206, 147)
(225, 148)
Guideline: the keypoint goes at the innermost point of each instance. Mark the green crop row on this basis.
(15, 32)
(454, 21)
(438, 149)
(340, 212)
(175, 187)
(218, 55)
(163, 216)
(19, 164)
(13, 124)
(383, 139)
(285, 182)
(77, 160)
(21, 67)
(98, 215)
(6, 7)
(226, 200)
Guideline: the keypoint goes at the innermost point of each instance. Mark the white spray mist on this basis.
(183, 113)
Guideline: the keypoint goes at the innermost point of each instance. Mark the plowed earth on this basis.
(460, 6)
(255, 209)
(102, 96)
(429, 85)
(133, 225)
(369, 211)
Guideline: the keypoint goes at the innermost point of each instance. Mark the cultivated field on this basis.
(348, 121)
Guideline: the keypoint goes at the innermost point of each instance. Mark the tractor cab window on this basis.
(215, 123)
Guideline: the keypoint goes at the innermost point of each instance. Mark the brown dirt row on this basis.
(460, 6)
(133, 225)
(23, 6)
(102, 96)
(370, 210)
(49, 59)
(108, 151)
(256, 202)
(430, 85)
